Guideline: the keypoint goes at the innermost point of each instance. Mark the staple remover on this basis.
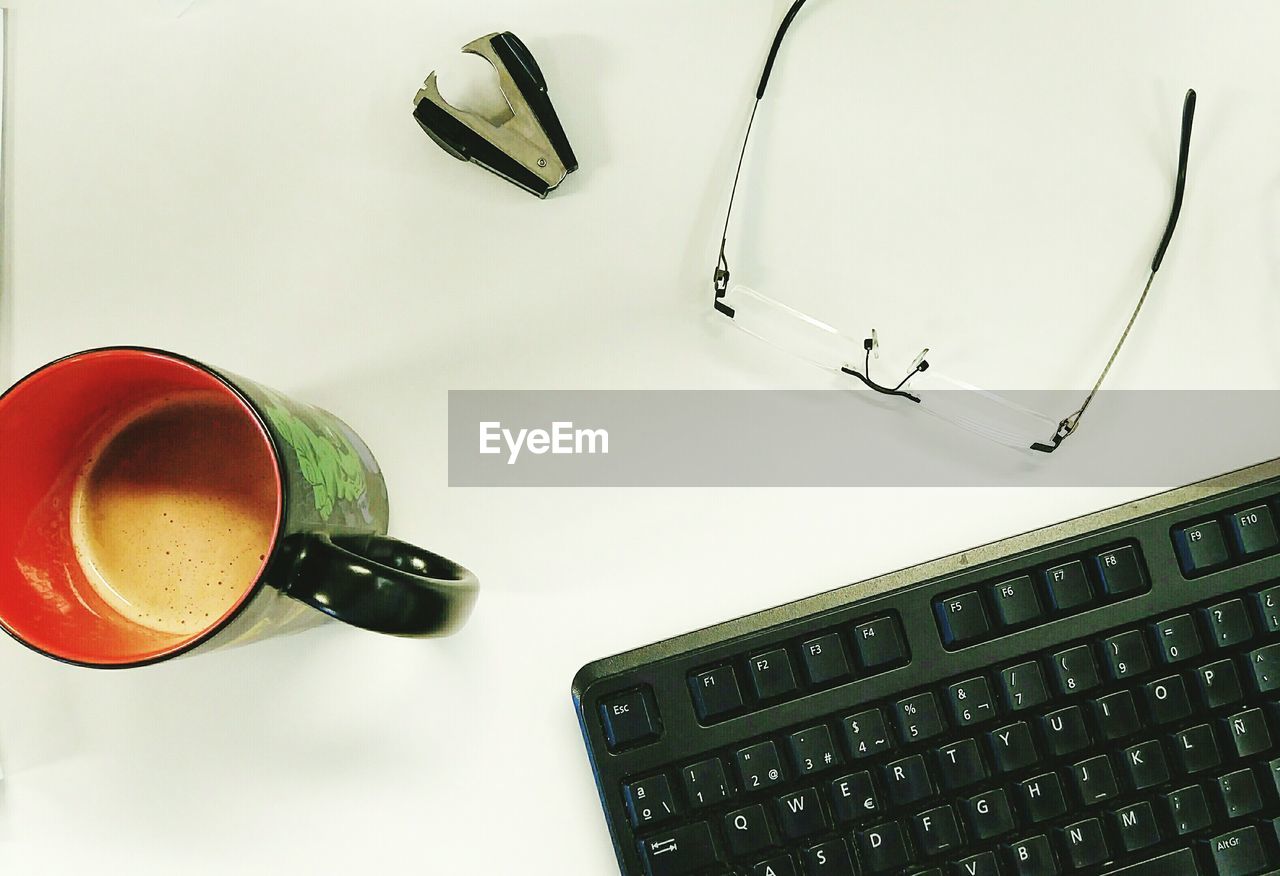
(530, 148)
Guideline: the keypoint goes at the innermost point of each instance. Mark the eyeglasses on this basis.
(986, 413)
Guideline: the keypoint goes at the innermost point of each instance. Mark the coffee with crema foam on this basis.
(173, 514)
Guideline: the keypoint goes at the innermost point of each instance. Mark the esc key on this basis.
(630, 719)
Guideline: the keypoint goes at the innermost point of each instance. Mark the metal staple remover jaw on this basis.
(530, 148)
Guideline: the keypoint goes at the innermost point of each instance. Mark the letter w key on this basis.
(800, 814)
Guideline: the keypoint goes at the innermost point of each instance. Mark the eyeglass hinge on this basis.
(722, 287)
(1065, 428)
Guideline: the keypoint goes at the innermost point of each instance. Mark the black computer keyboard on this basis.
(1100, 696)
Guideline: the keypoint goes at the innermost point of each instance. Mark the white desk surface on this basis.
(245, 184)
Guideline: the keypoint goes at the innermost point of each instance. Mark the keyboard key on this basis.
(649, 801)
(1196, 749)
(800, 814)
(918, 718)
(1146, 764)
(716, 693)
(1116, 714)
(1219, 684)
(854, 797)
(907, 780)
(812, 750)
(1121, 571)
(971, 701)
(748, 831)
(681, 851)
(981, 864)
(780, 866)
(1136, 826)
(1167, 699)
(1031, 857)
(1126, 655)
(936, 831)
(1265, 663)
(882, 847)
(1238, 853)
(825, 660)
(759, 766)
(1201, 547)
(988, 814)
(1094, 780)
(1075, 670)
(1012, 747)
(1065, 731)
(1085, 843)
(960, 764)
(1228, 623)
(1249, 732)
(1068, 586)
(1179, 863)
(772, 675)
(829, 859)
(1188, 809)
(1238, 793)
(1016, 601)
(865, 734)
(705, 783)
(1177, 639)
(1042, 797)
(1023, 687)
(962, 619)
(1267, 606)
(1253, 531)
(629, 719)
(879, 643)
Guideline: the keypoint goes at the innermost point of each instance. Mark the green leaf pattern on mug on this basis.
(328, 461)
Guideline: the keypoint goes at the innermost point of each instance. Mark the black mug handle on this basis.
(379, 583)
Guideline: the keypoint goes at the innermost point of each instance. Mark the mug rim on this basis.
(259, 583)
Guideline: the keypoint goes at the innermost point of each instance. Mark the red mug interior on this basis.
(50, 424)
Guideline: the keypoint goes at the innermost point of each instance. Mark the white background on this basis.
(245, 184)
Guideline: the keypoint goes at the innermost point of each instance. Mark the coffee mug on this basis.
(154, 506)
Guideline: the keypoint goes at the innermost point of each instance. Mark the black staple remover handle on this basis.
(464, 144)
(528, 77)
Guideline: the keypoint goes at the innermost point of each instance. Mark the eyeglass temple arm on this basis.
(721, 280)
(777, 44)
(1068, 425)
